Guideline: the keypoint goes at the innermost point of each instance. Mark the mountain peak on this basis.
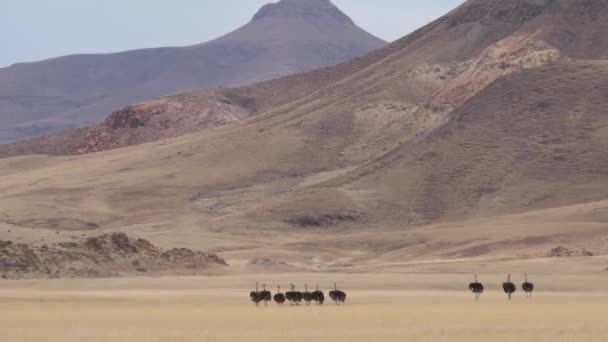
(309, 10)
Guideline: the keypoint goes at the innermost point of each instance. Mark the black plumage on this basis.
(476, 287)
(318, 296)
(279, 297)
(255, 295)
(337, 296)
(306, 296)
(266, 295)
(527, 286)
(509, 287)
(293, 296)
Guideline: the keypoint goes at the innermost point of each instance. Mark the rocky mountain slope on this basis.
(102, 256)
(283, 38)
(495, 109)
(445, 63)
(442, 57)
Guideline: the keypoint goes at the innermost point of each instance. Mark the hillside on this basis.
(283, 38)
(482, 135)
(413, 70)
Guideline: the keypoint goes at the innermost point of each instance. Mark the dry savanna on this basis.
(383, 307)
(474, 146)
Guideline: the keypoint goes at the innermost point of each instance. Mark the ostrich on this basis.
(293, 296)
(508, 286)
(318, 296)
(297, 295)
(337, 295)
(289, 295)
(476, 287)
(527, 286)
(265, 295)
(279, 298)
(307, 296)
(255, 295)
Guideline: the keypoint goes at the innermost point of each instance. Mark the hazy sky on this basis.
(37, 29)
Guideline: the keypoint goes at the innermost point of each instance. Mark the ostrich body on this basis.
(337, 295)
(476, 287)
(293, 296)
(289, 295)
(527, 286)
(508, 287)
(306, 296)
(279, 298)
(265, 295)
(255, 295)
(318, 296)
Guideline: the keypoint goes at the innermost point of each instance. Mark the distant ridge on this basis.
(283, 38)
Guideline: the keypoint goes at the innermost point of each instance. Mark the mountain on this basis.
(481, 136)
(283, 38)
(451, 43)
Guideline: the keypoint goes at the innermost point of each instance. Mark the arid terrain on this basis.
(481, 135)
(382, 307)
(475, 145)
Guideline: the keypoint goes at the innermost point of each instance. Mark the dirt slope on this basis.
(533, 139)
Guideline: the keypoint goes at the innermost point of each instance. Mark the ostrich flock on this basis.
(317, 296)
(295, 297)
(477, 288)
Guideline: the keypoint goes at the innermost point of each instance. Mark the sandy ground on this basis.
(385, 307)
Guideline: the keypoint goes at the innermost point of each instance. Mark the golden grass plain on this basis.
(382, 307)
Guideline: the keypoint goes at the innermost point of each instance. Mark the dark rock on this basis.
(559, 252)
(121, 242)
(95, 244)
(67, 244)
(266, 262)
(325, 220)
(124, 118)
